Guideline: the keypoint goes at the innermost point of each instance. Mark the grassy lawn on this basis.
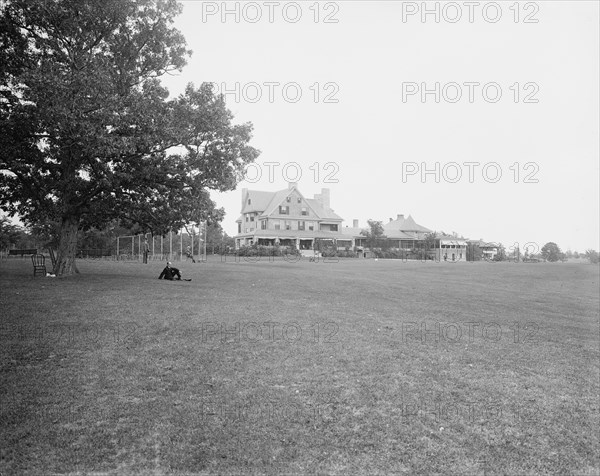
(355, 367)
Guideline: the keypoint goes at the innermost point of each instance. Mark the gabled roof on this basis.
(321, 212)
(352, 231)
(405, 224)
(258, 201)
(266, 203)
(276, 199)
(401, 235)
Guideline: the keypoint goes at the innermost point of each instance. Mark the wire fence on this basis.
(171, 247)
(143, 248)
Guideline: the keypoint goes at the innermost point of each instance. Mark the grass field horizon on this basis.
(354, 367)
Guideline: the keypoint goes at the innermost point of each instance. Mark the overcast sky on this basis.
(367, 126)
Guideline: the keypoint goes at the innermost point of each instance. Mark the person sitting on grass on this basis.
(171, 273)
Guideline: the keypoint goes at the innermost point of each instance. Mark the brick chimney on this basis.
(354, 223)
(325, 198)
(292, 185)
(244, 192)
(400, 217)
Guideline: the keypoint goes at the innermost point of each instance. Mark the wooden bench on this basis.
(32, 251)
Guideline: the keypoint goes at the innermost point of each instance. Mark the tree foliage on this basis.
(551, 252)
(431, 240)
(374, 235)
(88, 132)
(10, 234)
(501, 254)
(592, 256)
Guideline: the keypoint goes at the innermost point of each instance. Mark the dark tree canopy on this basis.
(87, 132)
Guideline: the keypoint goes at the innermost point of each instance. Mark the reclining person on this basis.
(170, 273)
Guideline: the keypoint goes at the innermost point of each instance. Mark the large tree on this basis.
(551, 252)
(87, 132)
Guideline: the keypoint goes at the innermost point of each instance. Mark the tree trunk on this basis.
(67, 247)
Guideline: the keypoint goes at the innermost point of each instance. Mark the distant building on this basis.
(451, 248)
(480, 250)
(287, 218)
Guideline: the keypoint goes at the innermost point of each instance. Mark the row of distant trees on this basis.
(375, 238)
(550, 252)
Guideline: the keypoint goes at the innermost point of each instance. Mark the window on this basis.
(246, 230)
(311, 226)
(263, 224)
(251, 217)
(239, 227)
(277, 226)
(246, 217)
(299, 200)
(301, 225)
(304, 211)
(288, 199)
(288, 226)
(333, 227)
(249, 202)
(284, 210)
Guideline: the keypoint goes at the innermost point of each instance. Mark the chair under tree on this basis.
(39, 265)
